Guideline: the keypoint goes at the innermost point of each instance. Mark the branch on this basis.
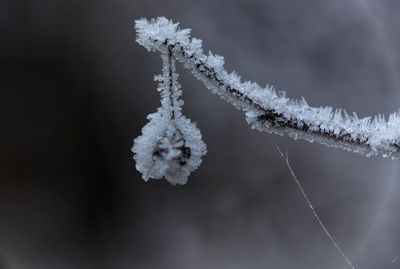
(267, 110)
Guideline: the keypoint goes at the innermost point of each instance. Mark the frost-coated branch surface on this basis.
(265, 109)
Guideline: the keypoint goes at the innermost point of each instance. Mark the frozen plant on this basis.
(170, 146)
(156, 153)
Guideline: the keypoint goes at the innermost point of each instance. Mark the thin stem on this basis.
(171, 80)
(286, 157)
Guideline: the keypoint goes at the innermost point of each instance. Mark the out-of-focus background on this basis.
(75, 90)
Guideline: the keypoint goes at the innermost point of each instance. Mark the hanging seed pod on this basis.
(170, 146)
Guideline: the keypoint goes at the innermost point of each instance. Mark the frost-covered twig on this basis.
(266, 109)
(305, 196)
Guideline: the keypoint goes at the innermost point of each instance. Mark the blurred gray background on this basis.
(75, 91)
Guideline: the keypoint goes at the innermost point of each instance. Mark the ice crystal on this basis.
(170, 146)
(265, 109)
(168, 149)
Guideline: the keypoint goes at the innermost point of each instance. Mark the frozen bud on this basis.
(169, 149)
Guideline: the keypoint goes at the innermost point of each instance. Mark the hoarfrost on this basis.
(170, 146)
(268, 110)
(168, 149)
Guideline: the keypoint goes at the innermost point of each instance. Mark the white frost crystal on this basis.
(170, 146)
(266, 109)
(170, 150)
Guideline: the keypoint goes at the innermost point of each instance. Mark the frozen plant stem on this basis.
(170, 82)
(265, 109)
(286, 157)
(170, 146)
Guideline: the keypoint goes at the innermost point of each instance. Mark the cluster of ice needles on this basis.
(171, 147)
